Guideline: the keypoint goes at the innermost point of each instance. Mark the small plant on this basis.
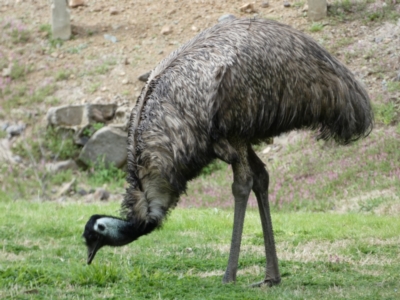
(94, 87)
(102, 173)
(393, 86)
(62, 75)
(315, 27)
(18, 71)
(385, 113)
(53, 144)
(92, 128)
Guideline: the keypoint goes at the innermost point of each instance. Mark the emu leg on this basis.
(260, 188)
(241, 188)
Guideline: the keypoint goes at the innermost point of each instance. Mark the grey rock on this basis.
(286, 4)
(5, 152)
(15, 130)
(264, 4)
(4, 126)
(101, 194)
(16, 158)
(61, 166)
(378, 39)
(144, 76)
(66, 116)
(80, 115)
(110, 38)
(225, 18)
(317, 9)
(60, 20)
(82, 192)
(107, 144)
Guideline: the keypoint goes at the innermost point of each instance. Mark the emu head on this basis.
(102, 230)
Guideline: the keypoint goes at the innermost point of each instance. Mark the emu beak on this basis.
(92, 250)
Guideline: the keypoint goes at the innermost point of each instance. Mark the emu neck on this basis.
(119, 232)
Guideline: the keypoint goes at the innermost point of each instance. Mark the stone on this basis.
(225, 18)
(166, 30)
(107, 144)
(114, 11)
(60, 20)
(7, 71)
(316, 9)
(62, 166)
(286, 4)
(67, 116)
(4, 126)
(101, 194)
(5, 152)
(111, 38)
(67, 188)
(248, 8)
(15, 130)
(264, 4)
(76, 3)
(144, 77)
(80, 115)
(101, 113)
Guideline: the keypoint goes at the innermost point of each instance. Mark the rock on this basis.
(144, 77)
(264, 4)
(62, 166)
(7, 71)
(82, 192)
(305, 8)
(166, 30)
(67, 188)
(107, 144)
(110, 38)
(101, 194)
(125, 81)
(4, 126)
(15, 130)
(266, 150)
(5, 152)
(60, 20)
(80, 115)
(76, 3)
(66, 116)
(316, 9)
(114, 11)
(194, 28)
(225, 18)
(248, 8)
(286, 4)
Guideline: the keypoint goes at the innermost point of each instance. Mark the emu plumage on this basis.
(235, 84)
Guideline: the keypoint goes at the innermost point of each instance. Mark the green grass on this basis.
(322, 256)
(315, 27)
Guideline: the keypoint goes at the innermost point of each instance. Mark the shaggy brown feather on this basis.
(244, 79)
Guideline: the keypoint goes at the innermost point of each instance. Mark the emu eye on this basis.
(101, 227)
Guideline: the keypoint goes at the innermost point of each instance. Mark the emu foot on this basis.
(268, 282)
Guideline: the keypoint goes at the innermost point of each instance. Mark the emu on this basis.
(235, 84)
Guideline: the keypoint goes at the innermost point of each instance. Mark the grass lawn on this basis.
(322, 256)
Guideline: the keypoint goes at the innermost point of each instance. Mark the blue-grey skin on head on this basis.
(102, 230)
